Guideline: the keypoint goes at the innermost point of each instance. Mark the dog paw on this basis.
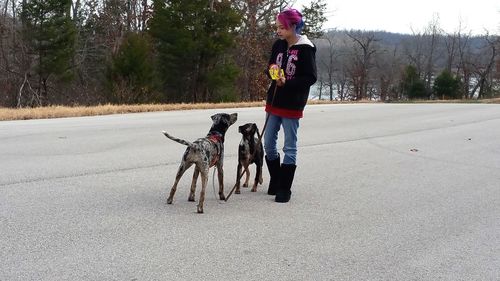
(254, 189)
(191, 199)
(237, 191)
(169, 201)
(200, 210)
(245, 185)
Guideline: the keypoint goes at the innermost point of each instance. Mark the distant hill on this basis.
(404, 43)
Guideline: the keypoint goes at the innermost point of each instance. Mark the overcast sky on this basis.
(402, 16)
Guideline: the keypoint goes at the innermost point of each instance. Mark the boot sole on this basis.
(280, 199)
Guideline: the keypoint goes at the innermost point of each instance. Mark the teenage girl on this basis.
(287, 96)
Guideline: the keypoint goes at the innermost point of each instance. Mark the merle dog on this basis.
(250, 151)
(204, 153)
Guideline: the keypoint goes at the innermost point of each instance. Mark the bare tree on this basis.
(255, 40)
(431, 35)
(137, 14)
(15, 62)
(483, 69)
(328, 65)
(452, 42)
(363, 50)
(420, 50)
(388, 65)
(465, 64)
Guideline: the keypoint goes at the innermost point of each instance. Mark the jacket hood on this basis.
(303, 40)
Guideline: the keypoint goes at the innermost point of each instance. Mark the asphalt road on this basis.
(382, 192)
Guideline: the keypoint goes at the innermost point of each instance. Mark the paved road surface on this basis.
(382, 192)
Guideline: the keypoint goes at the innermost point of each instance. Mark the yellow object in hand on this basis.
(275, 72)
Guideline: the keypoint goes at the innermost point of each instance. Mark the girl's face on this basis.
(284, 33)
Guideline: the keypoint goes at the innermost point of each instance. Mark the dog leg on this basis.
(182, 168)
(258, 177)
(238, 173)
(220, 174)
(259, 170)
(247, 175)
(204, 180)
(191, 197)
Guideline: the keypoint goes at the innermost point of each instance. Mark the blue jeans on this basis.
(290, 128)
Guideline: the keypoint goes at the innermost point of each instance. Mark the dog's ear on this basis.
(233, 117)
(241, 128)
(253, 128)
(215, 117)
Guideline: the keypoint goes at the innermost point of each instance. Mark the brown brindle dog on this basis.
(204, 153)
(250, 151)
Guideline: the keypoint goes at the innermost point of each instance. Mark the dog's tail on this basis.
(181, 141)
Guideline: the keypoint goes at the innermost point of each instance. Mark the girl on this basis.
(287, 96)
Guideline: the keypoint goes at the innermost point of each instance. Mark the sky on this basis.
(400, 16)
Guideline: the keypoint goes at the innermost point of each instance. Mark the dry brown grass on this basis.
(77, 111)
(487, 101)
(495, 100)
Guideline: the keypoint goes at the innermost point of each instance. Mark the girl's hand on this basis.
(277, 74)
(281, 81)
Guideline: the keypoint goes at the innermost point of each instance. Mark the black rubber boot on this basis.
(274, 173)
(286, 179)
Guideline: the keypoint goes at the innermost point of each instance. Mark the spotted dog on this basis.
(250, 151)
(204, 153)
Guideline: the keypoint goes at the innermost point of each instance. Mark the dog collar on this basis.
(216, 138)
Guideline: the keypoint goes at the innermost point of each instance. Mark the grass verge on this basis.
(78, 111)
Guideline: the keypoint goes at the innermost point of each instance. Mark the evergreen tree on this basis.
(220, 81)
(192, 40)
(50, 34)
(446, 86)
(131, 74)
(412, 86)
(314, 16)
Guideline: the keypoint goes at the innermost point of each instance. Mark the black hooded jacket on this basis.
(299, 65)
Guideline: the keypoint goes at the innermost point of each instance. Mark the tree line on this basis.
(431, 64)
(136, 51)
(87, 52)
